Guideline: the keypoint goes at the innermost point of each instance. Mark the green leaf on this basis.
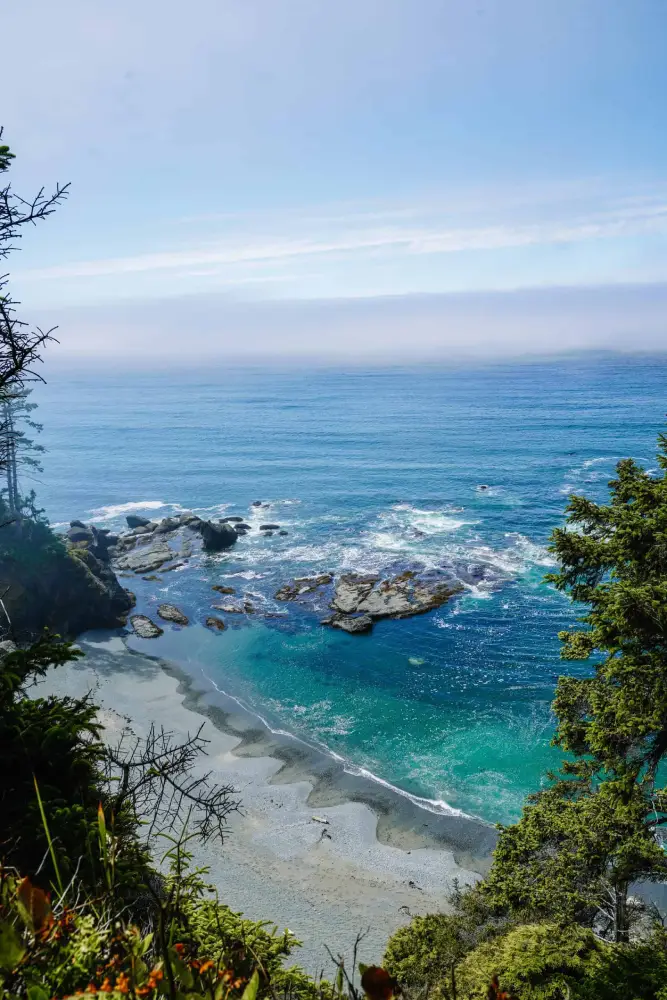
(37, 993)
(362, 968)
(11, 947)
(250, 992)
(181, 969)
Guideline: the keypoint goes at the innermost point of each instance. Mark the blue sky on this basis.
(265, 152)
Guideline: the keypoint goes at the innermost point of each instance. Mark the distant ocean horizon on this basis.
(367, 468)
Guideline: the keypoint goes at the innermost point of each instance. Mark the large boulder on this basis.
(216, 537)
(136, 521)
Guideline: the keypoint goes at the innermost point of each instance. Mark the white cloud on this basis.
(405, 231)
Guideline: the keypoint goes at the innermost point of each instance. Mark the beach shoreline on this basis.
(383, 858)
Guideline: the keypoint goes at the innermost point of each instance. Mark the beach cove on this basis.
(378, 859)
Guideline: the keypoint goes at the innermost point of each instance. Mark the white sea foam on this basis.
(118, 509)
(437, 806)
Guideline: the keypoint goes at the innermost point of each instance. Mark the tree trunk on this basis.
(621, 915)
(453, 975)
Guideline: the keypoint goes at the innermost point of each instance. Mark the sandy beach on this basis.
(384, 858)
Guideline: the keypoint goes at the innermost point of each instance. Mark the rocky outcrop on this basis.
(144, 627)
(398, 597)
(57, 583)
(170, 613)
(360, 600)
(269, 527)
(216, 537)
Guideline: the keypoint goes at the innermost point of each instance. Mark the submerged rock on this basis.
(223, 590)
(144, 627)
(215, 623)
(231, 609)
(170, 613)
(302, 585)
(231, 520)
(269, 527)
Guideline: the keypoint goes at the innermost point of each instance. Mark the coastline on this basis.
(385, 860)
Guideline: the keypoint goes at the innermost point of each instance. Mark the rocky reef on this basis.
(358, 601)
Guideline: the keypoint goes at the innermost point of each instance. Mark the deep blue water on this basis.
(369, 469)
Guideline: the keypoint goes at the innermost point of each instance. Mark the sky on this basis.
(359, 176)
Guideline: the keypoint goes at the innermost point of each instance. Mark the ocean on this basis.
(369, 469)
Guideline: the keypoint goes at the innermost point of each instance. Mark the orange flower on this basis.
(123, 983)
(205, 966)
(106, 986)
(180, 948)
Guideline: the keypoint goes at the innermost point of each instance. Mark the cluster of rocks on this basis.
(358, 601)
(146, 628)
(145, 546)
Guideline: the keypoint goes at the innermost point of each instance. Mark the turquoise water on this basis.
(369, 469)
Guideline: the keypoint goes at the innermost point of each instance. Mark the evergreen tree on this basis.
(18, 450)
(585, 839)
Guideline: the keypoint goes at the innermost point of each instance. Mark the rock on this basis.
(257, 503)
(283, 532)
(187, 517)
(143, 529)
(482, 486)
(151, 578)
(170, 613)
(216, 537)
(242, 526)
(240, 531)
(269, 527)
(167, 524)
(399, 597)
(348, 623)
(195, 523)
(351, 590)
(144, 627)
(230, 609)
(83, 534)
(302, 585)
(267, 534)
(215, 623)
(231, 520)
(77, 524)
(145, 560)
(223, 590)
(319, 819)
(135, 521)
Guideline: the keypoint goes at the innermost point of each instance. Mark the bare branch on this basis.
(155, 776)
